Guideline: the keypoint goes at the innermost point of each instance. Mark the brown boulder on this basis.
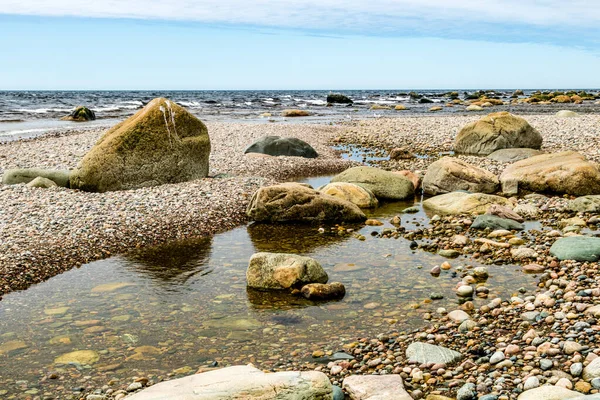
(450, 174)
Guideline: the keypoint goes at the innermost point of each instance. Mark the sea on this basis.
(31, 113)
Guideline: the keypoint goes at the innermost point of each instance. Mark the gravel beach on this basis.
(47, 231)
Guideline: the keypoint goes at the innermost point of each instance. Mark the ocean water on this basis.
(30, 113)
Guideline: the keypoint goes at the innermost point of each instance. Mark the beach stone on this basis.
(323, 291)
(400, 107)
(279, 146)
(493, 222)
(462, 203)
(576, 369)
(496, 131)
(548, 393)
(474, 107)
(578, 248)
(292, 202)
(585, 204)
(414, 178)
(338, 393)
(355, 194)
(465, 291)
(592, 370)
(523, 252)
(338, 98)
(83, 357)
(383, 184)
(375, 387)
(533, 268)
(467, 392)
(531, 383)
(425, 353)
(458, 316)
(80, 114)
(497, 357)
(527, 211)
(13, 345)
(504, 212)
(450, 174)
(512, 155)
(283, 271)
(401, 153)
(566, 114)
(27, 175)
(594, 310)
(161, 143)
(239, 382)
(295, 113)
(42, 183)
(566, 172)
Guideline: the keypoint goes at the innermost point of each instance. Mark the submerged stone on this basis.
(578, 248)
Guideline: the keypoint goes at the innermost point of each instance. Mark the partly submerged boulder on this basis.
(512, 155)
(278, 146)
(495, 131)
(566, 172)
(383, 184)
(462, 203)
(241, 382)
(355, 194)
(162, 143)
(80, 114)
(450, 174)
(26, 175)
(277, 271)
(495, 222)
(293, 202)
(338, 98)
(295, 113)
(323, 291)
(578, 248)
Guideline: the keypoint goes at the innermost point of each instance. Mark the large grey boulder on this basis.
(242, 382)
(278, 146)
(512, 155)
(462, 203)
(566, 172)
(585, 204)
(578, 248)
(26, 175)
(548, 393)
(495, 222)
(279, 271)
(383, 184)
(495, 131)
(293, 202)
(450, 174)
(425, 353)
(375, 387)
(161, 143)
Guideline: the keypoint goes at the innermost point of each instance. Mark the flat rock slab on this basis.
(494, 222)
(425, 353)
(548, 393)
(383, 184)
(27, 175)
(462, 203)
(513, 155)
(375, 387)
(242, 382)
(578, 248)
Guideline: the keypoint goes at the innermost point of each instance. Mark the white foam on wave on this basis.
(316, 102)
(191, 104)
(41, 110)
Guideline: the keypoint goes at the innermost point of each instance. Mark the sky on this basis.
(290, 44)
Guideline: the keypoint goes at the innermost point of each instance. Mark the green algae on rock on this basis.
(80, 114)
(162, 143)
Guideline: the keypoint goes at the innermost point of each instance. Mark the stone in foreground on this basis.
(323, 291)
(494, 222)
(425, 353)
(566, 172)
(578, 248)
(548, 393)
(383, 184)
(462, 203)
(162, 143)
(566, 114)
(375, 387)
(293, 202)
(42, 183)
(80, 114)
(283, 271)
(450, 174)
(512, 155)
(496, 131)
(278, 146)
(26, 175)
(242, 382)
(355, 194)
(592, 370)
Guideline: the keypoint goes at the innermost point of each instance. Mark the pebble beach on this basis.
(501, 349)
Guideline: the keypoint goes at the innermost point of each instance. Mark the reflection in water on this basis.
(172, 264)
(279, 300)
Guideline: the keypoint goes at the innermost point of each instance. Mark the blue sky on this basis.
(313, 44)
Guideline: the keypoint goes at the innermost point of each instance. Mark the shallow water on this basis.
(186, 304)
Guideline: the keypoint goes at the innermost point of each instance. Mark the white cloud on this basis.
(348, 15)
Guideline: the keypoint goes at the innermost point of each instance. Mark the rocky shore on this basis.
(44, 232)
